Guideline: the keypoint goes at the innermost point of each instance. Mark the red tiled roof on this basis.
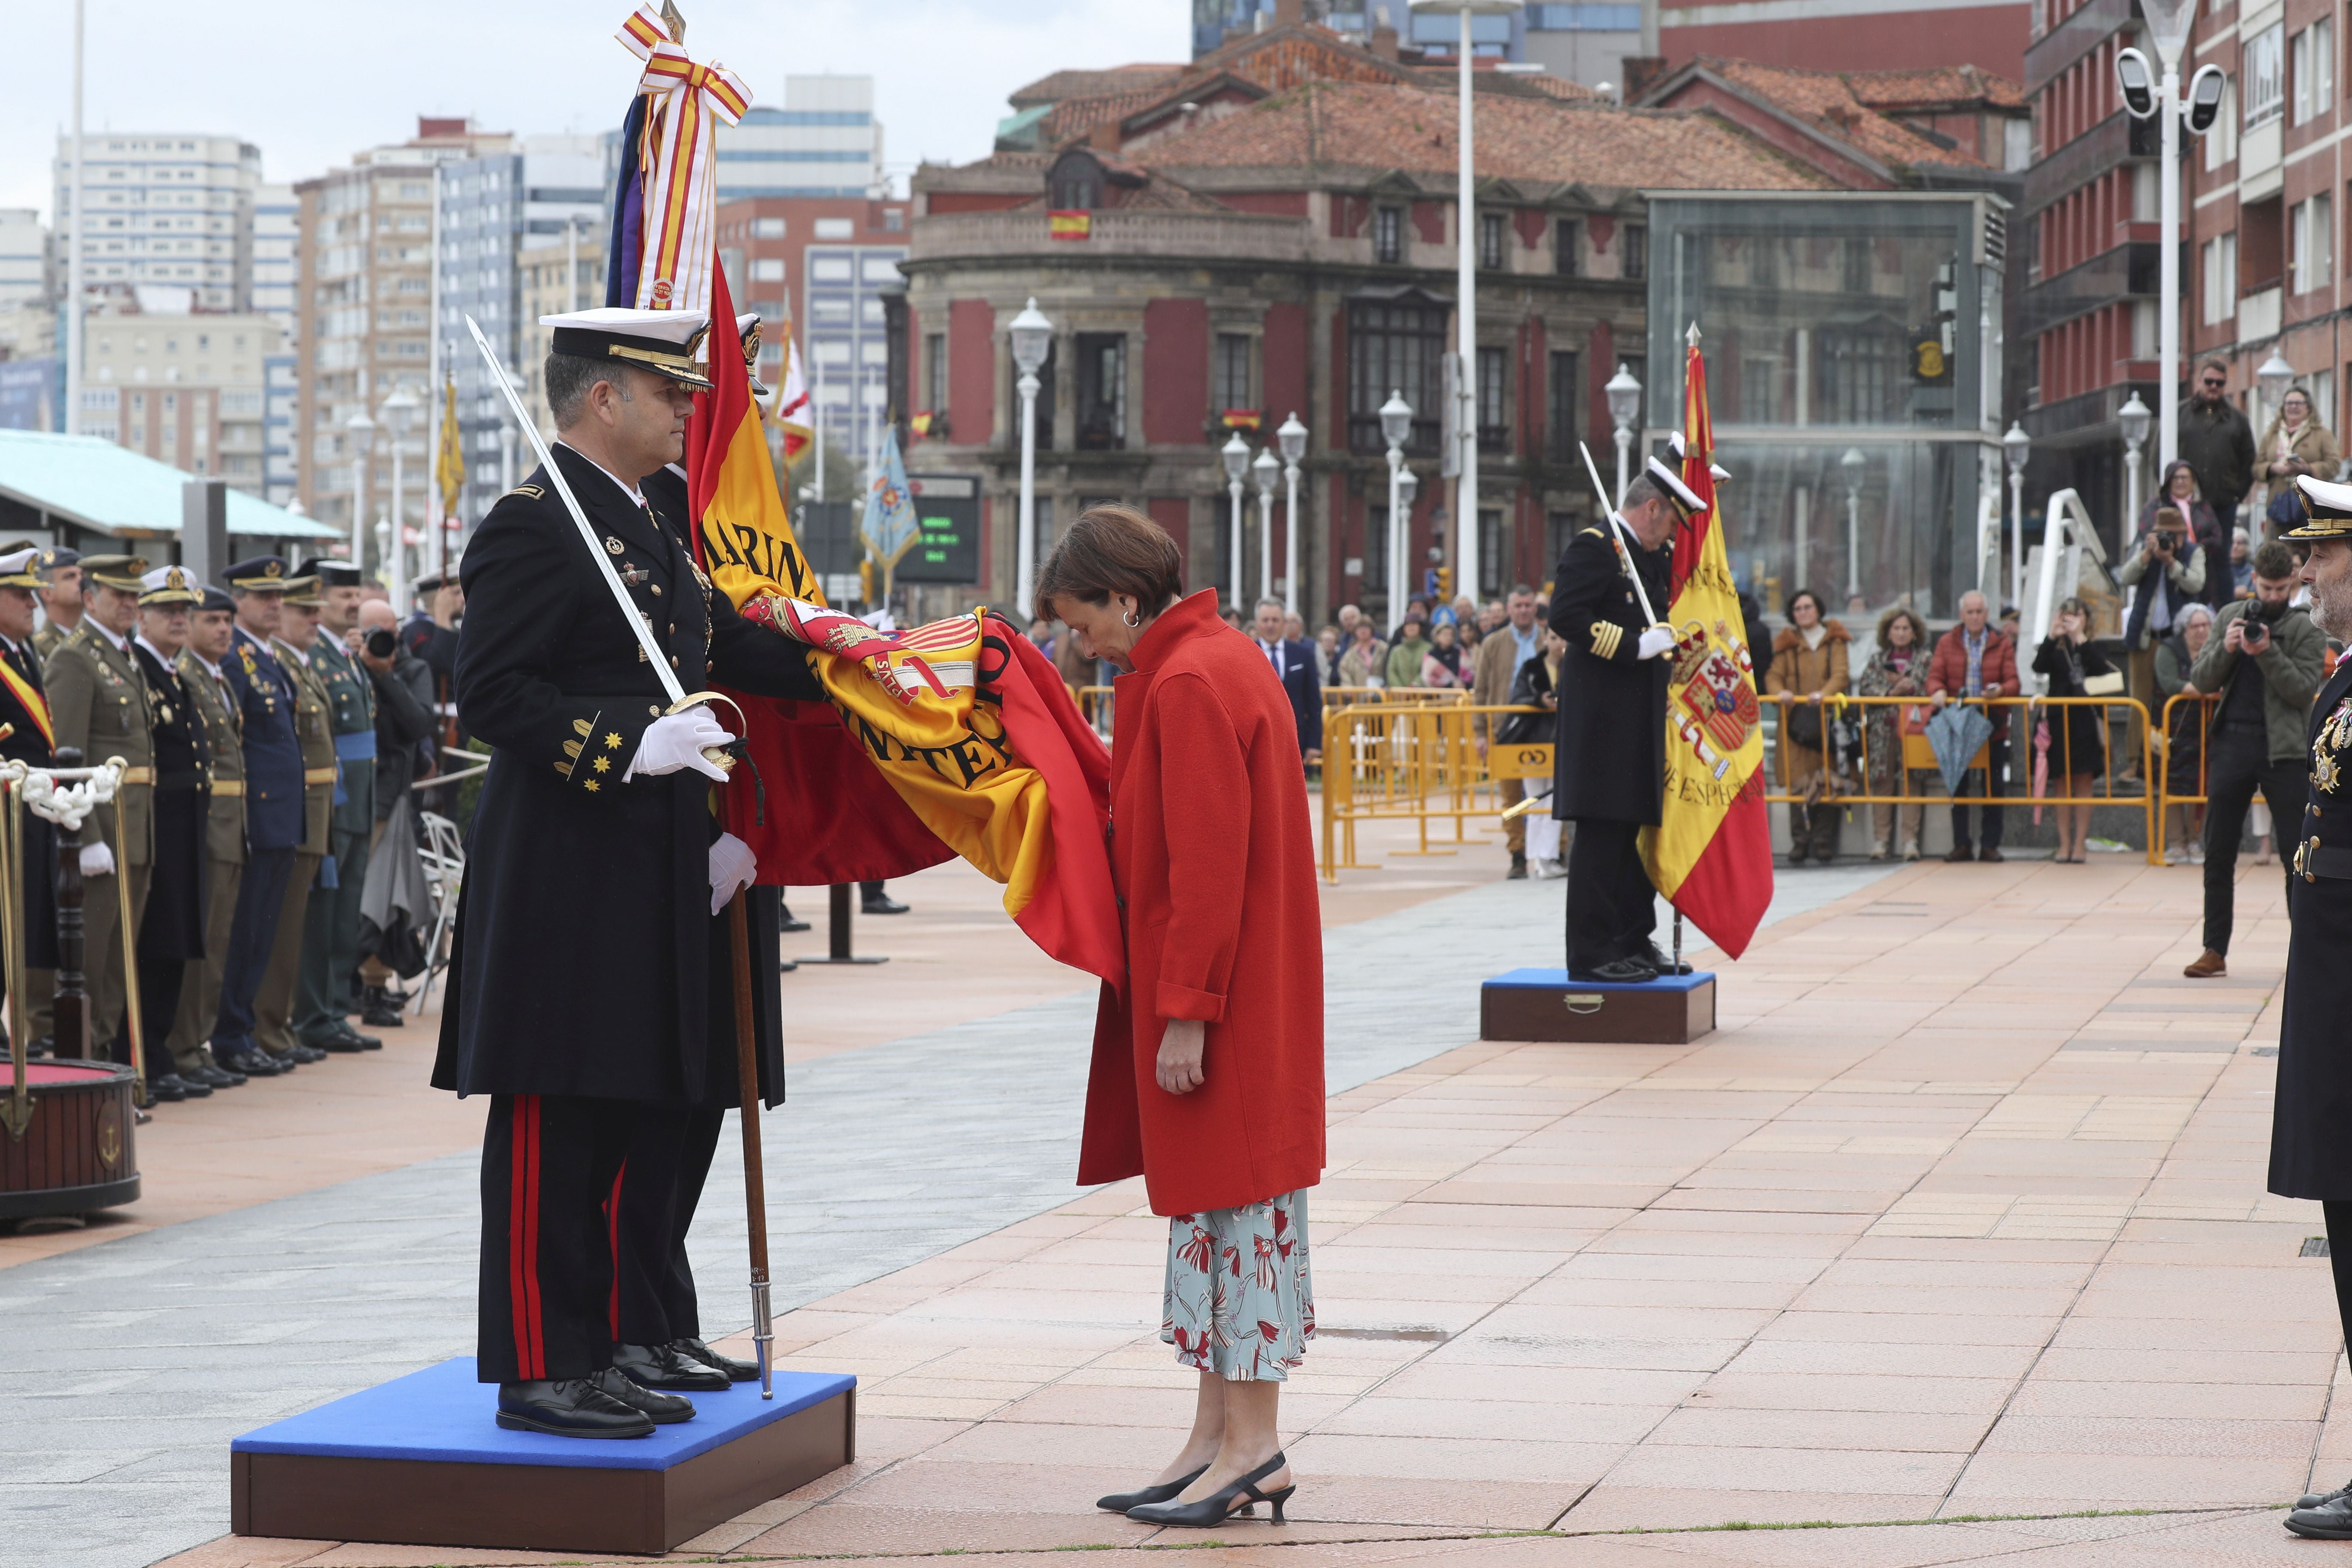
(1073, 117)
(1941, 84)
(1066, 84)
(1825, 100)
(1357, 125)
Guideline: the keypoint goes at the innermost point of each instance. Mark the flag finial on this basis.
(674, 22)
(1691, 337)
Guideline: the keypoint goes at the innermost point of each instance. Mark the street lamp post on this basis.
(2017, 444)
(1466, 261)
(2168, 30)
(1396, 429)
(1235, 452)
(1855, 464)
(1032, 335)
(1293, 436)
(399, 412)
(2134, 417)
(2274, 376)
(1267, 469)
(360, 431)
(1624, 395)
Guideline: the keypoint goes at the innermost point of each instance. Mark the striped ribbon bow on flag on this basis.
(678, 160)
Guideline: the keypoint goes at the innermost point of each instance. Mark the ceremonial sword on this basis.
(1617, 523)
(747, 1070)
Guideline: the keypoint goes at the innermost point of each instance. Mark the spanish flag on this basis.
(1069, 225)
(1711, 854)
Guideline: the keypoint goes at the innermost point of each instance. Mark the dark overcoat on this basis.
(585, 961)
(28, 741)
(1609, 762)
(2310, 1157)
(173, 924)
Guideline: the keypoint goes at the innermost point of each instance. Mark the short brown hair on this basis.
(2275, 561)
(1113, 549)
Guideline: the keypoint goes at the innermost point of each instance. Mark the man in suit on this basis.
(24, 709)
(1294, 666)
(60, 595)
(330, 933)
(100, 706)
(275, 810)
(273, 1004)
(1494, 670)
(172, 923)
(211, 626)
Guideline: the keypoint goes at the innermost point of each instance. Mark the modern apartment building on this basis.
(365, 309)
(277, 268)
(165, 208)
(186, 389)
(555, 279)
(25, 258)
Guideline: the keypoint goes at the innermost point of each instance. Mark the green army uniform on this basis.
(48, 640)
(200, 989)
(273, 1004)
(99, 703)
(330, 937)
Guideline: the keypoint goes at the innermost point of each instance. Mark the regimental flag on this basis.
(449, 463)
(793, 406)
(891, 527)
(677, 164)
(1711, 854)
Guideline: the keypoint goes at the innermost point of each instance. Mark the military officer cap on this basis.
(216, 600)
(19, 568)
(57, 555)
(1714, 471)
(266, 573)
(2326, 509)
(1671, 482)
(747, 327)
(429, 584)
(662, 341)
(120, 573)
(168, 585)
(331, 572)
(302, 593)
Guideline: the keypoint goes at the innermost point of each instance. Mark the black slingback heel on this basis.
(1218, 1505)
(1119, 1502)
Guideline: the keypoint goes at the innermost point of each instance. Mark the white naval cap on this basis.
(663, 342)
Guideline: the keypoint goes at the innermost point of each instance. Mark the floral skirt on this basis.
(1239, 1301)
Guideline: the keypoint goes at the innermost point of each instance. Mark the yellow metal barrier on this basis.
(1412, 761)
(2178, 721)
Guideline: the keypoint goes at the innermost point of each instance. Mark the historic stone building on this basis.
(1271, 231)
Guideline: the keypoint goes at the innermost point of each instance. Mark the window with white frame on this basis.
(2311, 238)
(2323, 397)
(2263, 73)
(2220, 273)
(2221, 142)
(2311, 65)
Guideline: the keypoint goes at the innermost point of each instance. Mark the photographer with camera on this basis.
(404, 727)
(2164, 575)
(2266, 660)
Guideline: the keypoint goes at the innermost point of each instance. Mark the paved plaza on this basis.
(1958, 1217)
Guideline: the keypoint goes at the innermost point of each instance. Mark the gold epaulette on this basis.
(1606, 635)
(1593, 532)
(534, 492)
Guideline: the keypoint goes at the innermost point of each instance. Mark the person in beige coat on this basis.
(2296, 443)
(1809, 664)
(1495, 666)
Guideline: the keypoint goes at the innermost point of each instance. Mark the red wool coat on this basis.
(1212, 852)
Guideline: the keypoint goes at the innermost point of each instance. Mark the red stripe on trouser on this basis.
(613, 1240)
(522, 1240)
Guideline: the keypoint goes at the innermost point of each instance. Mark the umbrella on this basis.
(1957, 733)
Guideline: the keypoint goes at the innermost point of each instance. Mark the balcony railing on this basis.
(1147, 232)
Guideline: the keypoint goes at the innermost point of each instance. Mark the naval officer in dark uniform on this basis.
(582, 996)
(172, 923)
(1608, 768)
(2310, 1156)
(24, 709)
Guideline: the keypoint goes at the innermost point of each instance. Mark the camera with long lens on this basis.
(381, 641)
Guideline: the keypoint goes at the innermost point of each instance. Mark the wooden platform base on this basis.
(1545, 1004)
(421, 1461)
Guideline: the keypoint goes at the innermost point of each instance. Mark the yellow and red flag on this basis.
(1711, 854)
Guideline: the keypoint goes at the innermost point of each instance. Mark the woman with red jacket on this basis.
(1208, 1063)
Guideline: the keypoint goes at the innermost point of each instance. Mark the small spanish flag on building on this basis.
(1243, 419)
(1069, 225)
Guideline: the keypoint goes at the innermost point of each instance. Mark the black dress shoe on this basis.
(379, 1011)
(1619, 972)
(1663, 964)
(661, 1409)
(2321, 1499)
(2328, 1521)
(1119, 1502)
(354, 1040)
(166, 1089)
(298, 1052)
(568, 1407)
(211, 1077)
(736, 1370)
(252, 1064)
(337, 1045)
(787, 921)
(188, 1087)
(666, 1366)
(883, 904)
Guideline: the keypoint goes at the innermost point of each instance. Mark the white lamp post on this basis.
(1466, 261)
(2275, 377)
(361, 432)
(1408, 485)
(2134, 417)
(399, 413)
(1855, 464)
(2017, 444)
(1268, 470)
(1293, 436)
(1396, 429)
(1624, 395)
(2168, 30)
(1032, 335)
(1235, 452)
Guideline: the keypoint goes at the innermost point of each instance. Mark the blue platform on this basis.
(1556, 980)
(443, 1414)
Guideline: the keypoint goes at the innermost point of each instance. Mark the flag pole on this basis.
(755, 1185)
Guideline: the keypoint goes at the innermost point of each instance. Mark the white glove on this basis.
(1655, 641)
(732, 865)
(97, 860)
(675, 741)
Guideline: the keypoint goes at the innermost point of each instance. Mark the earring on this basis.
(1131, 618)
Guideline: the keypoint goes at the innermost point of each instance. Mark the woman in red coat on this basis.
(1208, 1063)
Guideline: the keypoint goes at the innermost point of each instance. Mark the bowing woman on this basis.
(1207, 1062)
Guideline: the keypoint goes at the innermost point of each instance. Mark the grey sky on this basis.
(313, 82)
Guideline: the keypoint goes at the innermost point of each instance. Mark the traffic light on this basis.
(1444, 575)
(2204, 95)
(2137, 82)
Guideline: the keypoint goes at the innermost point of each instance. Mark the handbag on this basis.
(1805, 726)
(2111, 684)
